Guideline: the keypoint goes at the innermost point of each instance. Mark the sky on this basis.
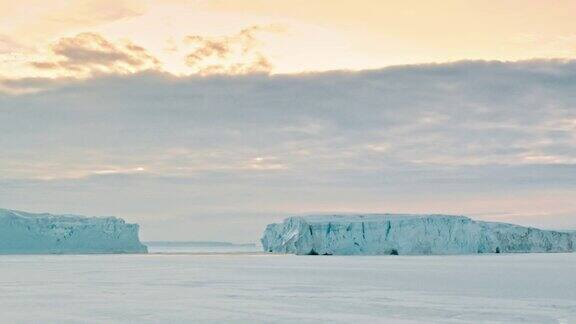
(206, 120)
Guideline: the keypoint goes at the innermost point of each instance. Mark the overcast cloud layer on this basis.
(219, 157)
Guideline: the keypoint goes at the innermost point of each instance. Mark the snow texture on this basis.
(408, 235)
(191, 288)
(26, 233)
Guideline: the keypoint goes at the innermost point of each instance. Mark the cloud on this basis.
(8, 45)
(88, 53)
(234, 54)
(467, 137)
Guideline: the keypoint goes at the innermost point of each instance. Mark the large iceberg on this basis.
(408, 235)
(26, 233)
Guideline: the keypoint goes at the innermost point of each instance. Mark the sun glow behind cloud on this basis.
(310, 36)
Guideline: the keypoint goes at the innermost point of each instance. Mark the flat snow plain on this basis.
(261, 288)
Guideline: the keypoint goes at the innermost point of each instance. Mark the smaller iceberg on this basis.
(408, 235)
(27, 233)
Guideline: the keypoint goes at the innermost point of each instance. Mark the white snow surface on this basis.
(272, 288)
(408, 235)
(28, 233)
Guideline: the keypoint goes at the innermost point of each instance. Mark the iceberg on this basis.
(401, 234)
(27, 233)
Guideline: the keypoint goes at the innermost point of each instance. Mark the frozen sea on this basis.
(261, 288)
(200, 247)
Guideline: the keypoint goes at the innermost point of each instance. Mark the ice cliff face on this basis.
(26, 233)
(408, 235)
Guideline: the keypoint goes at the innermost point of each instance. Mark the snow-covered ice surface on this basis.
(28, 233)
(268, 288)
(408, 235)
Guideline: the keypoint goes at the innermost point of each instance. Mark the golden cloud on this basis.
(87, 54)
(239, 53)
